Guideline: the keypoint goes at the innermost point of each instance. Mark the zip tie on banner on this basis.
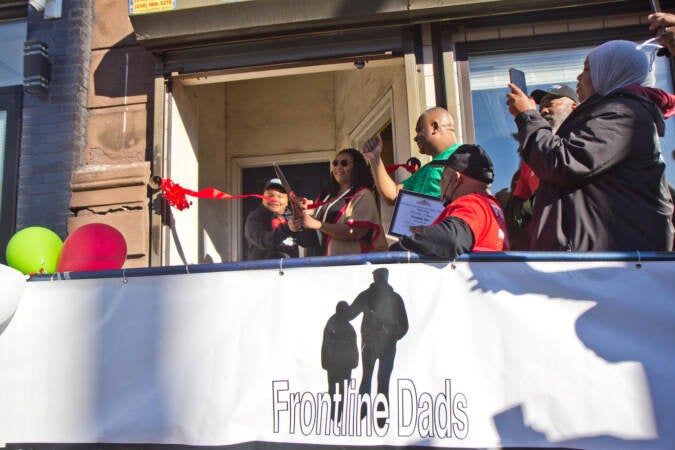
(281, 266)
(639, 263)
(124, 276)
(187, 269)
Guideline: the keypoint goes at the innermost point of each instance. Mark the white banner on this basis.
(12, 283)
(539, 354)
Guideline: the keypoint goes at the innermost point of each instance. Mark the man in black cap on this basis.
(472, 219)
(555, 105)
(266, 230)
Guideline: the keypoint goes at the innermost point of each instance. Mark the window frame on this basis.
(526, 43)
(10, 101)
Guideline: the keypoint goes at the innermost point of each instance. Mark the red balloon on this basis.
(95, 246)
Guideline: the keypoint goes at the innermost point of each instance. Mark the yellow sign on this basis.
(150, 6)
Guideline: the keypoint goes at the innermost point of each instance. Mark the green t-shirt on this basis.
(427, 180)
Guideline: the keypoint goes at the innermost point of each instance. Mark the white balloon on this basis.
(13, 283)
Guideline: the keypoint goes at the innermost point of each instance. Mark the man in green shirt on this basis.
(435, 137)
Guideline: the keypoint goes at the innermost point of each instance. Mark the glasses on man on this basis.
(342, 162)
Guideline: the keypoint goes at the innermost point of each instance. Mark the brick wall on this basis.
(84, 149)
(53, 125)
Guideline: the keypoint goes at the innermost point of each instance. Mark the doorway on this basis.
(305, 179)
(226, 130)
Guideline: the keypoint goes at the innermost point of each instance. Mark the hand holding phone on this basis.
(517, 77)
(517, 102)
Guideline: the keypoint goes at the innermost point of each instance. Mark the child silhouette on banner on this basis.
(339, 354)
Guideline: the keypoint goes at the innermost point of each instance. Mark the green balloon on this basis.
(34, 250)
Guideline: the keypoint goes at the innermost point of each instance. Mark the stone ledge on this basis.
(129, 195)
(107, 176)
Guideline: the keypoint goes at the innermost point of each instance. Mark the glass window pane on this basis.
(3, 133)
(494, 125)
(12, 36)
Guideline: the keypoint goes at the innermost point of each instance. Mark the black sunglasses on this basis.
(342, 162)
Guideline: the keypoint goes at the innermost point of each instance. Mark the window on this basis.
(493, 124)
(12, 36)
(10, 101)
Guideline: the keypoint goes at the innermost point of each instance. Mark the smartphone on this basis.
(517, 77)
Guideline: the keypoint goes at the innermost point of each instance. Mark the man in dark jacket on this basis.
(554, 106)
(603, 185)
(266, 230)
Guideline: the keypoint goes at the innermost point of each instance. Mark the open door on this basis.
(225, 130)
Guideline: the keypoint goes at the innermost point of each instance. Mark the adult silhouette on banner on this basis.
(384, 322)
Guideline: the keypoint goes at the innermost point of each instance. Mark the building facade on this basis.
(211, 93)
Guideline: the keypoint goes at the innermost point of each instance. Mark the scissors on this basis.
(295, 208)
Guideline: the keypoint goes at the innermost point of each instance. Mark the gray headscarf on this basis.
(616, 64)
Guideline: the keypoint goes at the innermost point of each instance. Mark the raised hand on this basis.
(372, 148)
(660, 20)
(518, 101)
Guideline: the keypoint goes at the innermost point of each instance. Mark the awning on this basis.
(164, 24)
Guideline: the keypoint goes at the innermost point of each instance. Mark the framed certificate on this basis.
(413, 209)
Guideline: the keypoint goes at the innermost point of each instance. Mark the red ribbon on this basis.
(176, 194)
(277, 222)
(412, 165)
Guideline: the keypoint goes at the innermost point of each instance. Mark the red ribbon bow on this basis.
(412, 165)
(175, 194)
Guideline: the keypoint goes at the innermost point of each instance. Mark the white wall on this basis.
(280, 115)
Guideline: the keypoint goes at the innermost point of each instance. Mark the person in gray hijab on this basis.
(603, 185)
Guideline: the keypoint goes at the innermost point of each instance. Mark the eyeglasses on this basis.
(342, 162)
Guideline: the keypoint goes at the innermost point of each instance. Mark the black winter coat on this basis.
(603, 185)
(265, 242)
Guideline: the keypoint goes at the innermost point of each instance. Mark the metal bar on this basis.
(363, 259)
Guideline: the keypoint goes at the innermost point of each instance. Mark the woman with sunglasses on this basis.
(347, 220)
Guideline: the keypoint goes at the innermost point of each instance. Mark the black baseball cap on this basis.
(470, 160)
(275, 184)
(558, 90)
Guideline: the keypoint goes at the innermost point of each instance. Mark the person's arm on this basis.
(306, 238)
(372, 151)
(359, 209)
(518, 101)
(596, 145)
(336, 230)
(447, 240)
